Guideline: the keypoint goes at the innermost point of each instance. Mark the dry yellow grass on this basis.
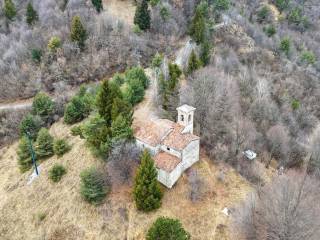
(44, 210)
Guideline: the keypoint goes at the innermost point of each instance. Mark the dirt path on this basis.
(16, 105)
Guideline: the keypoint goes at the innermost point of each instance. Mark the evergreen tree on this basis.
(31, 124)
(142, 15)
(9, 9)
(31, 14)
(104, 100)
(121, 129)
(44, 144)
(194, 63)
(42, 105)
(198, 26)
(78, 32)
(93, 187)
(147, 192)
(24, 155)
(167, 229)
(98, 5)
(120, 106)
(205, 52)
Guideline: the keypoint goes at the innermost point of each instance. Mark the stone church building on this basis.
(173, 145)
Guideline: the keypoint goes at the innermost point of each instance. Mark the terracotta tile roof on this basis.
(166, 161)
(153, 132)
(178, 140)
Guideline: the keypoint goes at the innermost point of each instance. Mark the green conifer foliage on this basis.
(198, 26)
(31, 14)
(24, 155)
(78, 32)
(194, 63)
(121, 129)
(147, 193)
(142, 15)
(98, 5)
(9, 9)
(44, 144)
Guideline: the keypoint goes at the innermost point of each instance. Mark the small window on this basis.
(168, 148)
(189, 118)
(182, 118)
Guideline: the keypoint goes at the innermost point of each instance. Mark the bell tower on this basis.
(185, 117)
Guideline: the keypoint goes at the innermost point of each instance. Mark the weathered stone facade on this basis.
(173, 145)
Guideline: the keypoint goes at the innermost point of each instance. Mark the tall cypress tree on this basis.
(198, 26)
(24, 155)
(142, 15)
(31, 14)
(194, 63)
(78, 32)
(108, 92)
(9, 9)
(147, 193)
(98, 5)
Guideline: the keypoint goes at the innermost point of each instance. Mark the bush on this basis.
(36, 55)
(78, 108)
(263, 14)
(197, 28)
(295, 104)
(194, 63)
(98, 136)
(270, 30)
(121, 129)
(136, 29)
(30, 124)
(118, 79)
(44, 144)
(282, 4)
(142, 15)
(78, 33)
(285, 45)
(167, 228)
(164, 13)
(31, 14)
(77, 131)
(56, 172)
(9, 9)
(137, 73)
(98, 5)
(24, 155)
(60, 147)
(43, 106)
(93, 187)
(221, 5)
(308, 57)
(147, 193)
(54, 43)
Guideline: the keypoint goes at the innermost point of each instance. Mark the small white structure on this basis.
(250, 154)
(173, 145)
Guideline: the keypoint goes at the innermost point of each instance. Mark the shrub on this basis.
(30, 124)
(136, 29)
(31, 14)
(295, 16)
(98, 5)
(24, 154)
(42, 105)
(36, 55)
(77, 131)
(98, 136)
(54, 43)
(164, 13)
(270, 30)
(157, 60)
(118, 79)
(44, 144)
(139, 74)
(194, 63)
(60, 147)
(154, 2)
(197, 28)
(147, 193)
(282, 4)
(93, 186)
(263, 14)
(295, 104)
(205, 49)
(78, 32)
(221, 5)
(167, 228)
(9, 9)
(285, 45)
(142, 15)
(121, 129)
(56, 172)
(308, 57)
(78, 108)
